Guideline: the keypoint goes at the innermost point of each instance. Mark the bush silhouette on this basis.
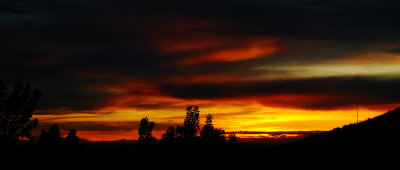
(16, 112)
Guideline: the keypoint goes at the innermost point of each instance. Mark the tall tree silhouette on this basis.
(146, 140)
(16, 112)
(211, 135)
(191, 123)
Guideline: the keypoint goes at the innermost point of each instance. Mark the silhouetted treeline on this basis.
(186, 136)
(51, 140)
(50, 148)
(16, 123)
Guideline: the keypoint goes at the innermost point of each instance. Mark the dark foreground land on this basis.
(373, 141)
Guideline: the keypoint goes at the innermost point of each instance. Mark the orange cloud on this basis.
(206, 41)
(249, 50)
(205, 78)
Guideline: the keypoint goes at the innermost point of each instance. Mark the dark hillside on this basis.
(376, 135)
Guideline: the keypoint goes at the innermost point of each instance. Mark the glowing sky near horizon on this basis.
(257, 66)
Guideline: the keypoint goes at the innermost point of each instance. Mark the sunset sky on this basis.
(258, 66)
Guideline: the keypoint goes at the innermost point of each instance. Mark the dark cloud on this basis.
(334, 91)
(154, 105)
(48, 41)
(11, 10)
(395, 50)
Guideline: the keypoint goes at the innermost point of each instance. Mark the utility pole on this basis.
(357, 111)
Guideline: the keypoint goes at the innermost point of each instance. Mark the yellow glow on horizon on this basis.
(230, 117)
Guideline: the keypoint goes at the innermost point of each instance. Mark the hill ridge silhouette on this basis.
(374, 135)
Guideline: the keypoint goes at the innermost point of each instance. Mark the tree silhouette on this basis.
(43, 138)
(146, 140)
(72, 136)
(183, 137)
(54, 134)
(180, 131)
(51, 139)
(170, 135)
(72, 141)
(191, 123)
(232, 141)
(211, 135)
(16, 112)
(170, 139)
